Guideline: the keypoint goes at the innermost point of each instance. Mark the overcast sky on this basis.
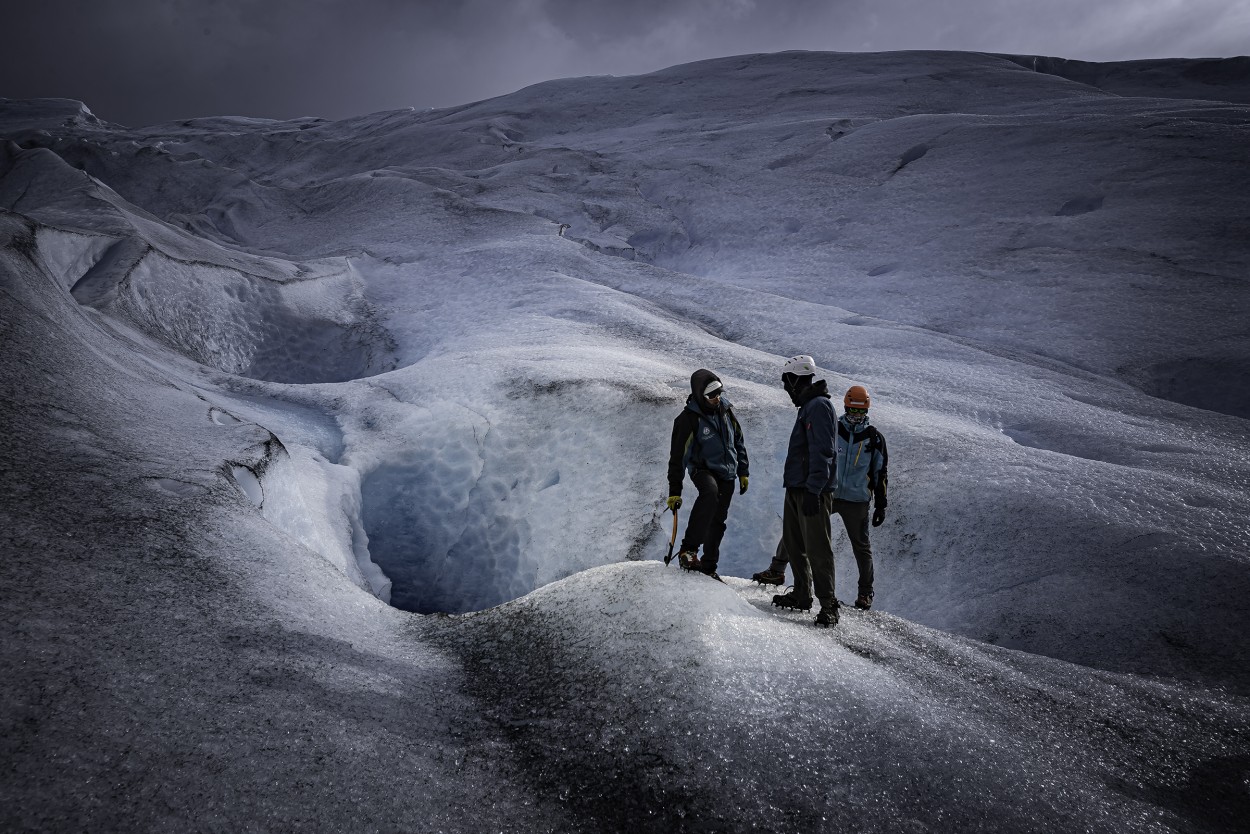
(143, 61)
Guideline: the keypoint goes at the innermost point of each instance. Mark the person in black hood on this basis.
(809, 479)
(707, 442)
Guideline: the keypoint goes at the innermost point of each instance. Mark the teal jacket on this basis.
(862, 464)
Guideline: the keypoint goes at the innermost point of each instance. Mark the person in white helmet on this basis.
(862, 472)
(808, 478)
(707, 443)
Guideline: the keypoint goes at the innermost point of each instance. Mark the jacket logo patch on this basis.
(707, 432)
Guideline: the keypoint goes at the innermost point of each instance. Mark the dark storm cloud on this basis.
(141, 61)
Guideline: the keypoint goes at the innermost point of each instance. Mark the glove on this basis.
(878, 516)
(742, 484)
(674, 502)
(811, 504)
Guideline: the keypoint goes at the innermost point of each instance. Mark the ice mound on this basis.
(261, 317)
(1217, 79)
(635, 687)
(42, 113)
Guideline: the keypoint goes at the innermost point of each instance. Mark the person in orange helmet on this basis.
(862, 474)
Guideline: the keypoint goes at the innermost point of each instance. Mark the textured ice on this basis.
(262, 377)
(700, 698)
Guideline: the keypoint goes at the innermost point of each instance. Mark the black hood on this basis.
(808, 392)
(698, 381)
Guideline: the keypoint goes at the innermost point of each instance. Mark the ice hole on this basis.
(249, 484)
(448, 541)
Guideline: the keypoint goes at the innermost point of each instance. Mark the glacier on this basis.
(334, 454)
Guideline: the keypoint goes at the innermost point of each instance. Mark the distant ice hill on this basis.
(1214, 79)
(334, 454)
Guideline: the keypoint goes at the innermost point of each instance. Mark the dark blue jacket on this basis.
(809, 459)
(702, 440)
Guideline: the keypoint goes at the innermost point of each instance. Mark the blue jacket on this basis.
(862, 463)
(706, 441)
(809, 458)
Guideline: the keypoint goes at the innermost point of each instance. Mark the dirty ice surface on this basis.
(334, 454)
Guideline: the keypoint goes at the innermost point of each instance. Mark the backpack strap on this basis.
(879, 481)
(875, 440)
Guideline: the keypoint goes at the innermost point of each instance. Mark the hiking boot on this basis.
(767, 577)
(792, 602)
(688, 559)
(828, 616)
(709, 570)
(864, 601)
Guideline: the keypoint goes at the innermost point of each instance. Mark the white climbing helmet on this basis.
(801, 365)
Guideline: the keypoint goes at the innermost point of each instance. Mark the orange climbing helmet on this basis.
(856, 397)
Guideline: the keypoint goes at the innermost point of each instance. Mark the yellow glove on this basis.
(742, 484)
(674, 502)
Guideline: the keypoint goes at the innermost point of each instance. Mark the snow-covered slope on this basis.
(264, 376)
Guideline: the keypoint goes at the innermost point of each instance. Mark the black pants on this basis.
(855, 519)
(706, 526)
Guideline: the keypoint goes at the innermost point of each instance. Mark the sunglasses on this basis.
(857, 411)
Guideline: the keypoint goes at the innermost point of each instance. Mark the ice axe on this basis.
(672, 540)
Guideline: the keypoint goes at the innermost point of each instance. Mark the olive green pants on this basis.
(808, 540)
